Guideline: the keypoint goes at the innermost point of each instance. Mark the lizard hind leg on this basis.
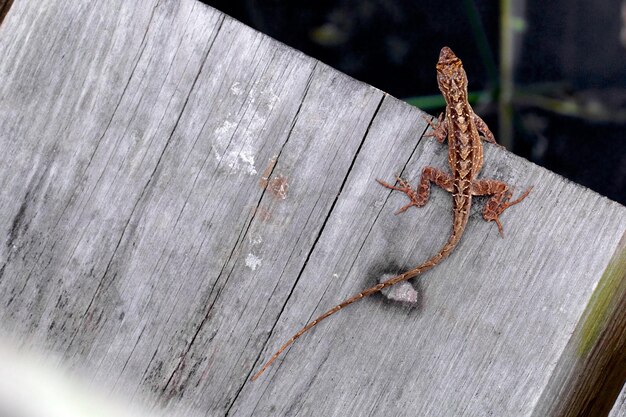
(419, 196)
(499, 201)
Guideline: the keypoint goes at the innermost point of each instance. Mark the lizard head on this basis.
(451, 76)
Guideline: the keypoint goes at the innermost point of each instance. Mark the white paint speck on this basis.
(402, 292)
(236, 89)
(255, 239)
(248, 159)
(225, 131)
(253, 261)
(271, 98)
(239, 160)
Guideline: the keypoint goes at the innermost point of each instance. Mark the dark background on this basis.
(568, 61)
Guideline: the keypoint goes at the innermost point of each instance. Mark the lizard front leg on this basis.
(419, 196)
(440, 131)
(501, 194)
(484, 129)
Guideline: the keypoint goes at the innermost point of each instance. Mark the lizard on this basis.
(463, 128)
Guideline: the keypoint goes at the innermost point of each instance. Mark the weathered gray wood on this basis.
(592, 368)
(619, 409)
(180, 194)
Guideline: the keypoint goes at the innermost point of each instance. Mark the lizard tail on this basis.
(430, 263)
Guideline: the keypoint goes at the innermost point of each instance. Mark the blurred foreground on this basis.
(33, 385)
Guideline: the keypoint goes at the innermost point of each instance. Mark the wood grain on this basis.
(180, 193)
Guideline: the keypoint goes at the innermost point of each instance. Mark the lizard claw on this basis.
(492, 213)
(405, 208)
(429, 120)
(519, 199)
(497, 220)
(406, 188)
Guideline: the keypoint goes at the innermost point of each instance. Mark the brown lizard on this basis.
(461, 126)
